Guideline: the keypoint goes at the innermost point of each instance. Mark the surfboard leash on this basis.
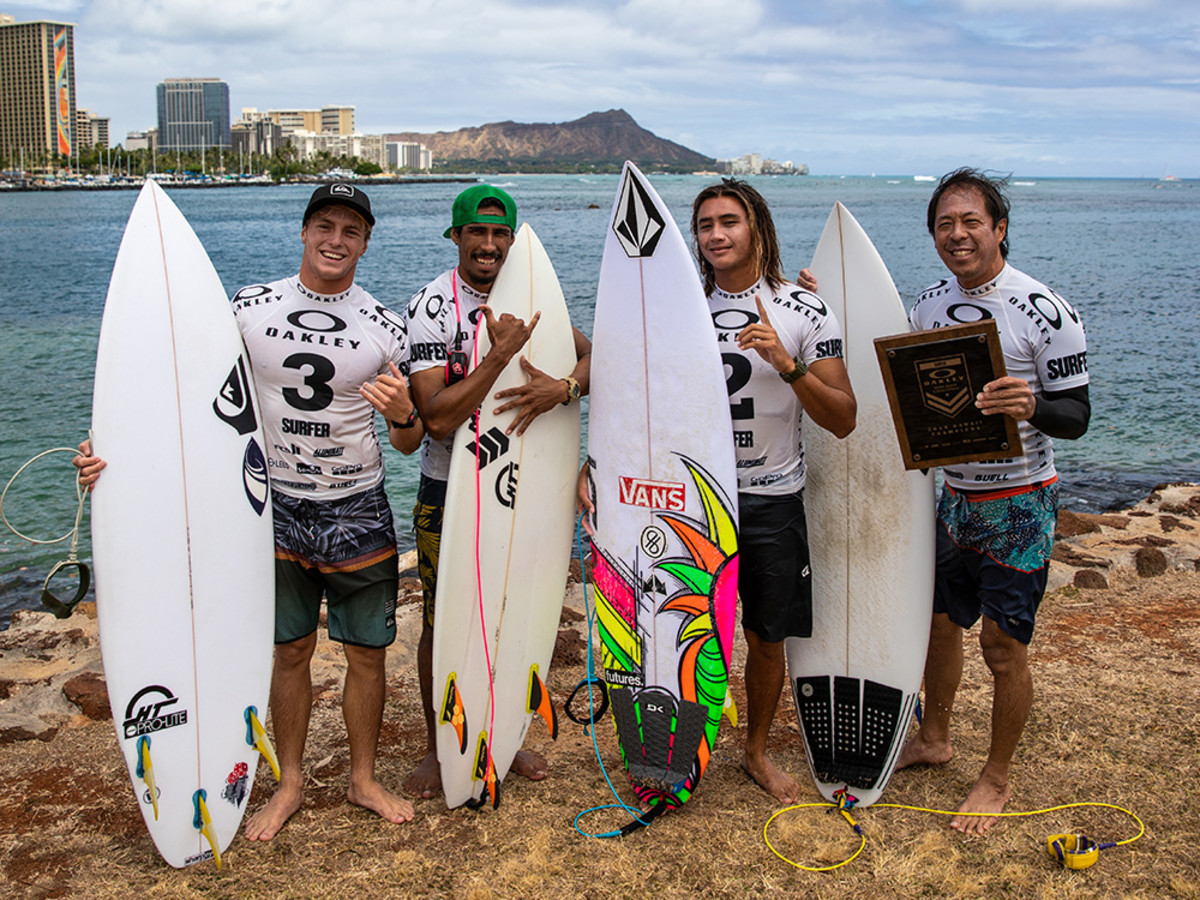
(1072, 851)
(61, 608)
(639, 819)
(491, 784)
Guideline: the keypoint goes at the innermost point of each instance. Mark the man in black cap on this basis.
(442, 320)
(326, 356)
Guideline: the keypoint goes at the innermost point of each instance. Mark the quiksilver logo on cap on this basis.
(344, 189)
(636, 223)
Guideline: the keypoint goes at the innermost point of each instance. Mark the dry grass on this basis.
(1117, 719)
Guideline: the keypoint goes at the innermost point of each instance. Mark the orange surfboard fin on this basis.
(453, 714)
(540, 702)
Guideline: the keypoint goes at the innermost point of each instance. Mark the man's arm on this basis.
(1059, 414)
(824, 390)
(541, 392)
(444, 407)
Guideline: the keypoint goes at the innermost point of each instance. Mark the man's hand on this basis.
(389, 394)
(807, 280)
(1009, 396)
(89, 466)
(764, 340)
(539, 394)
(507, 334)
(583, 502)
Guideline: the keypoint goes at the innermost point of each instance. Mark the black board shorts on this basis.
(774, 574)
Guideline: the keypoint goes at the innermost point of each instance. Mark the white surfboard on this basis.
(181, 536)
(870, 529)
(505, 547)
(662, 470)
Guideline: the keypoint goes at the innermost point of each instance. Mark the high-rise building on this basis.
(193, 114)
(326, 120)
(37, 91)
(90, 129)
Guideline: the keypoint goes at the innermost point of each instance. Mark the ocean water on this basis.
(1122, 251)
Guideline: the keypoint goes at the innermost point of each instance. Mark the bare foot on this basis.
(987, 797)
(426, 780)
(782, 787)
(267, 822)
(372, 796)
(529, 765)
(919, 752)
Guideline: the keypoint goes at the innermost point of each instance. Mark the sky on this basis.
(1091, 88)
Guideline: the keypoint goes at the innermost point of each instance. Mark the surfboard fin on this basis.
(453, 713)
(485, 770)
(202, 822)
(730, 708)
(540, 702)
(145, 771)
(256, 737)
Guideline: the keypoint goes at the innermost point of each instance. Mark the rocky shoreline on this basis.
(51, 675)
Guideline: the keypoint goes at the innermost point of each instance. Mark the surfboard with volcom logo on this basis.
(663, 477)
(181, 536)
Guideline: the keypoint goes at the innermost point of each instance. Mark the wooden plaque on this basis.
(932, 378)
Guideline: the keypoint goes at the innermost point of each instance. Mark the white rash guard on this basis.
(766, 411)
(1044, 343)
(310, 353)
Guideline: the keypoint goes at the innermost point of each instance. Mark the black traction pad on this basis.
(655, 759)
(850, 730)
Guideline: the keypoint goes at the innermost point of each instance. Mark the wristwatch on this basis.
(796, 373)
(407, 423)
(573, 391)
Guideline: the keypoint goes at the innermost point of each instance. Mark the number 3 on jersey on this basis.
(320, 372)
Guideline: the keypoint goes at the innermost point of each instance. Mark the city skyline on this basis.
(1053, 87)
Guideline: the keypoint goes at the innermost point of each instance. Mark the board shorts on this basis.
(774, 575)
(427, 522)
(993, 555)
(344, 550)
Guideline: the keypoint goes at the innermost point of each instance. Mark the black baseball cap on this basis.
(341, 194)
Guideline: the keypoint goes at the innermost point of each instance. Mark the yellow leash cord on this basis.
(1074, 851)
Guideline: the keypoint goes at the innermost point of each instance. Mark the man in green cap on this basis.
(442, 320)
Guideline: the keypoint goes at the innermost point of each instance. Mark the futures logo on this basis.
(148, 712)
(637, 224)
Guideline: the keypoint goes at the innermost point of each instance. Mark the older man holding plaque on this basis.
(996, 519)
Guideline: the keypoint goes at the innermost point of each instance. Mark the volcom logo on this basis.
(490, 447)
(152, 715)
(506, 485)
(637, 224)
(234, 402)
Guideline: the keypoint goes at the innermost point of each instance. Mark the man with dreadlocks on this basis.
(782, 349)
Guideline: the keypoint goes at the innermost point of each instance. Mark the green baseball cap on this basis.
(466, 208)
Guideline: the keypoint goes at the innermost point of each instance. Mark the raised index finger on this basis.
(762, 310)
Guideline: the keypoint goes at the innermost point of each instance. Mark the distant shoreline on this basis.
(133, 185)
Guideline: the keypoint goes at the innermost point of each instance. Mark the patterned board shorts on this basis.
(344, 550)
(993, 555)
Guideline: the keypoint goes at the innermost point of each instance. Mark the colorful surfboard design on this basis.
(662, 473)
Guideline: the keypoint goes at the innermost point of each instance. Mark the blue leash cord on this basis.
(640, 819)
